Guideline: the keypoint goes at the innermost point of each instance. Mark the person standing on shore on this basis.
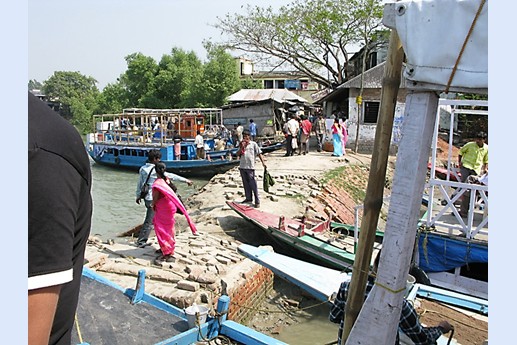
(337, 138)
(306, 129)
(292, 126)
(59, 221)
(248, 153)
(147, 174)
(253, 130)
(166, 204)
(319, 129)
(239, 131)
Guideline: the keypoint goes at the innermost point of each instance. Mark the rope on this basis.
(464, 45)
(389, 289)
(79, 335)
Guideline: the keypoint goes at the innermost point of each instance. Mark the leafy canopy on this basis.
(312, 36)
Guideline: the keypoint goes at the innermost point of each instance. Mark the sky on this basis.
(93, 37)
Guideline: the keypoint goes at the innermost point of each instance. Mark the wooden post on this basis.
(375, 189)
(378, 320)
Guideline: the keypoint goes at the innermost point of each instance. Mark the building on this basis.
(294, 81)
(267, 107)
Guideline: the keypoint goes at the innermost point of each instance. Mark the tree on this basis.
(179, 75)
(35, 85)
(312, 36)
(138, 78)
(113, 99)
(220, 76)
(76, 95)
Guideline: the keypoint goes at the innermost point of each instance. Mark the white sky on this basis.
(93, 37)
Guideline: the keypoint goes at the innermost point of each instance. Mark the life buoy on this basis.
(117, 160)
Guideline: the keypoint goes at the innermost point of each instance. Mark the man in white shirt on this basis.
(200, 145)
(292, 134)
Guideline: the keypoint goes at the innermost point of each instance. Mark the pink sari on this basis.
(164, 210)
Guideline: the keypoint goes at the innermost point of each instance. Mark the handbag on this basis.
(145, 187)
(174, 189)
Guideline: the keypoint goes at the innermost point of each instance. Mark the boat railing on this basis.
(357, 217)
(445, 214)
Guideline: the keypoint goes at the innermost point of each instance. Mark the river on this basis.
(114, 193)
(115, 211)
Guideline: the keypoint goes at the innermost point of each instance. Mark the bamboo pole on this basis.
(374, 191)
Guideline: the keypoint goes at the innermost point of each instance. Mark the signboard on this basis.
(292, 84)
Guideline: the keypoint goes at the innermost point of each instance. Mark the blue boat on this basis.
(109, 314)
(123, 140)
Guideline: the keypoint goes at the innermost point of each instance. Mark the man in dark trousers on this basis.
(60, 210)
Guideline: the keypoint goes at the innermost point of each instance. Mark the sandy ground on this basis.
(207, 207)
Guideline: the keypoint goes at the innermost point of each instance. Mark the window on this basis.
(280, 84)
(268, 84)
(371, 112)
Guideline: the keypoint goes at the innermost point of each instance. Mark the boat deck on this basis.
(104, 317)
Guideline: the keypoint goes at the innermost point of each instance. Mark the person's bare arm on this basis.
(42, 304)
(262, 160)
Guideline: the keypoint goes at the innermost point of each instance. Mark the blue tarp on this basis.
(440, 253)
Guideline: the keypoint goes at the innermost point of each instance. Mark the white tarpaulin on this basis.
(433, 33)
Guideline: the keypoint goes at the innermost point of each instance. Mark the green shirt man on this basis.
(473, 157)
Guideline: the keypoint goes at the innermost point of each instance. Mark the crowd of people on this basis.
(299, 129)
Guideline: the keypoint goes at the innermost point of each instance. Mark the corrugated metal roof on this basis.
(278, 95)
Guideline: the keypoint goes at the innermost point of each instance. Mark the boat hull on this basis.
(133, 157)
(308, 244)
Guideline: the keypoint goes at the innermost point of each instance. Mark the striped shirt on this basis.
(409, 322)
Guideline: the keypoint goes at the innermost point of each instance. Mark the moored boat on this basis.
(323, 242)
(123, 140)
(109, 314)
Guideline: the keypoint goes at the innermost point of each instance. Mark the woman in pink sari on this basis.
(165, 204)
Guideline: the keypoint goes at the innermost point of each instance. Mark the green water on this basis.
(114, 208)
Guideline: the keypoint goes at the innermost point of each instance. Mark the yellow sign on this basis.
(359, 100)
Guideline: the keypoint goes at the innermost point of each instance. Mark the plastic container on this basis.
(410, 282)
(196, 312)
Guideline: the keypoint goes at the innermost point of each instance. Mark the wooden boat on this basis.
(441, 260)
(324, 242)
(109, 314)
(123, 140)
(323, 283)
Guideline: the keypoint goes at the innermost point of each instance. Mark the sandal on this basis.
(164, 258)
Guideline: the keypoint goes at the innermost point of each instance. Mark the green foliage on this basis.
(138, 78)
(77, 95)
(353, 179)
(220, 76)
(312, 36)
(35, 85)
(113, 99)
(178, 77)
(250, 83)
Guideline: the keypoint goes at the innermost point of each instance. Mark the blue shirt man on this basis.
(253, 130)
